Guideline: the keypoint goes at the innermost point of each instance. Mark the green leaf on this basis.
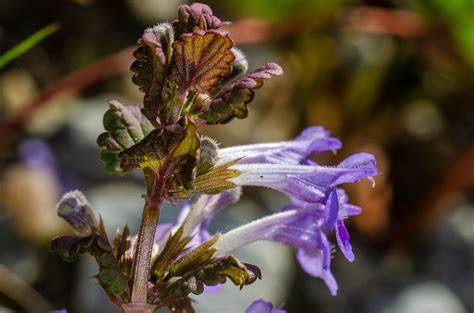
(27, 44)
(113, 281)
(110, 275)
(125, 126)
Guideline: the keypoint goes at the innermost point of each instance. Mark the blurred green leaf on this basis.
(27, 44)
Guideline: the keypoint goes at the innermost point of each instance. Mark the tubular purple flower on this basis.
(300, 228)
(309, 183)
(262, 306)
(281, 227)
(312, 140)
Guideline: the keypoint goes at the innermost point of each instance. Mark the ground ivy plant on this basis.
(192, 75)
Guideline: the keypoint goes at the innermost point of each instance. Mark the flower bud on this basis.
(208, 154)
(76, 210)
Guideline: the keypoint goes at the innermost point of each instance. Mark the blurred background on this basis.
(394, 78)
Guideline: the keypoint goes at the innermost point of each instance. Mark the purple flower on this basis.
(301, 225)
(310, 183)
(301, 228)
(312, 140)
(318, 205)
(196, 218)
(262, 306)
(335, 211)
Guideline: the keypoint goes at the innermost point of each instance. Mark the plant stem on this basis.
(139, 308)
(146, 236)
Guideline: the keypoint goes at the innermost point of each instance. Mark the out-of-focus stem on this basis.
(19, 291)
(146, 235)
(139, 308)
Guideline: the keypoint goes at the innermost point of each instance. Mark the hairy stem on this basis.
(146, 235)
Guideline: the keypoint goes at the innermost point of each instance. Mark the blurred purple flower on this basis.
(262, 306)
(36, 153)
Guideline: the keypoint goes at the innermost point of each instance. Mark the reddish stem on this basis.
(145, 240)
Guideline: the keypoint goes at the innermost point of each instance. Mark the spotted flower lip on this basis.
(262, 306)
(309, 183)
(312, 140)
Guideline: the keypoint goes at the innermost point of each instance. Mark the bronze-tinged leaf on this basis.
(152, 150)
(194, 258)
(232, 101)
(173, 247)
(177, 145)
(215, 272)
(152, 58)
(200, 60)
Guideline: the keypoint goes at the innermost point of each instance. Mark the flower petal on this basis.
(298, 228)
(332, 210)
(312, 140)
(343, 241)
(311, 260)
(309, 183)
(363, 165)
(262, 306)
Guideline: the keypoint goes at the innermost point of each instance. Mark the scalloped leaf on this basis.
(125, 126)
(232, 101)
(152, 58)
(201, 60)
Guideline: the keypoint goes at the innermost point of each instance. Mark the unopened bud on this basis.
(76, 210)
